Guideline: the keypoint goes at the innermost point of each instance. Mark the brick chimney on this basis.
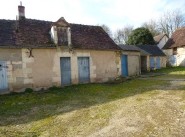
(21, 11)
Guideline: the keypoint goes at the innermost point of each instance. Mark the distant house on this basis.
(175, 48)
(40, 54)
(151, 57)
(161, 40)
(130, 60)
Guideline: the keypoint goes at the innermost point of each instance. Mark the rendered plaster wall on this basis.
(43, 70)
(178, 59)
(106, 65)
(181, 56)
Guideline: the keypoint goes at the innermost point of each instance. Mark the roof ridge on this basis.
(7, 20)
(38, 20)
(29, 19)
(84, 25)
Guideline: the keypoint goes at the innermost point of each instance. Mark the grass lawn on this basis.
(174, 72)
(139, 107)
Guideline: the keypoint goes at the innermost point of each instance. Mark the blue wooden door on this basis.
(124, 65)
(152, 63)
(158, 63)
(3, 76)
(65, 65)
(83, 69)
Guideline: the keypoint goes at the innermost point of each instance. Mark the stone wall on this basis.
(13, 59)
(43, 69)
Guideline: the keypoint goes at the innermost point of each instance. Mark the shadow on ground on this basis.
(169, 72)
(22, 108)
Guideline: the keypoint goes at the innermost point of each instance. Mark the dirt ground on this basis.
(139, 107)
(158, 113)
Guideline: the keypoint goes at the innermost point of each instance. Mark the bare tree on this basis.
(121, 35)
(170, 21)
(152, 26)
(107, 30)
(118, 36)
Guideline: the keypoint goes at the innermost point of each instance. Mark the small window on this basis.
(175, 51)
(62, 36)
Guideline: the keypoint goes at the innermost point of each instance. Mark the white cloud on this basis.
(114, 13)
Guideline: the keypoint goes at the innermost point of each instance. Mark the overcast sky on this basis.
(114, 13)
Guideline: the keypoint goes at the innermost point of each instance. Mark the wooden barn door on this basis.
(3, 76)
(65, 65)
(124, 65)
(83, 70)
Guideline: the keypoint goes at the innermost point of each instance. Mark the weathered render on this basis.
(133, 63)
(43, 70)
(175, 48)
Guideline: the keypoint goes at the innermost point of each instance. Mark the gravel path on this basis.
(157, 113)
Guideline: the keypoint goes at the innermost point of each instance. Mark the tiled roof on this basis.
(33, 33)
(152, 50)
(91, 37)
(7, 32)
(159, 37)
(133, 48)
(36, 33)
(128, 47)
(177, 39)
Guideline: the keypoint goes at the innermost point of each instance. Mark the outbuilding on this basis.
(152, 57)
(40, 54)
(175, 48)
(130, 60)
